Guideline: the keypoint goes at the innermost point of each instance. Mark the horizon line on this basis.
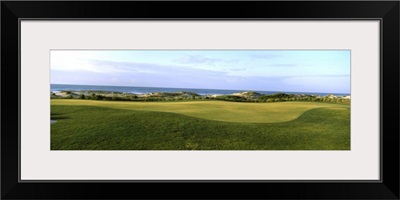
(200, 88)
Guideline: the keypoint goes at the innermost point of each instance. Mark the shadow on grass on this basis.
(57, 116)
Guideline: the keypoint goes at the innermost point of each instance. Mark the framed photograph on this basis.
(222, 99)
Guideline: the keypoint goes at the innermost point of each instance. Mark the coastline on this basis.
(244, 96)
(138, 90)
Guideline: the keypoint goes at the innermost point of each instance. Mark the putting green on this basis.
(215, 110)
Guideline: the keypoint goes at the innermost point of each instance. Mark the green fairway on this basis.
(214, 110)
(199, 125)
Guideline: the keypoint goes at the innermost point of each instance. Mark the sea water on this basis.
(145, 90)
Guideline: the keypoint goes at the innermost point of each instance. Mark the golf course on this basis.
(198, 125)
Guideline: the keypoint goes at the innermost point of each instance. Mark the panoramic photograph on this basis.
(200, 99)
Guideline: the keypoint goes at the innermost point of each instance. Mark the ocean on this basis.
(144, 90)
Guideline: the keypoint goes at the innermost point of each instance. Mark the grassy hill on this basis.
(198, 125)
(214, 110)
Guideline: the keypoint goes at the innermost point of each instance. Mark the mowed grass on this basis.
(214, 110)
(99, 125)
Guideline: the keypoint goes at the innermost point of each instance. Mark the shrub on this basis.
(99, 97)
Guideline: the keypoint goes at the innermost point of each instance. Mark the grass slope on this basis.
(102, 128)
(214, 110)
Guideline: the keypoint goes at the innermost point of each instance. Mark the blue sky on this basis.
(325, 71)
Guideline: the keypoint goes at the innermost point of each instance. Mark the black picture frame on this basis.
(386, 11)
